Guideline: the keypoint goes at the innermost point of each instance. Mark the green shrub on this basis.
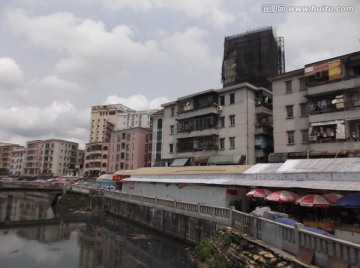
(227, 241)
(204, 251)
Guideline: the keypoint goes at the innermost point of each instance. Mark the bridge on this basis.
(194, 222)
(29, 186)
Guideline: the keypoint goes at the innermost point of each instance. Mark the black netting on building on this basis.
(252, 57)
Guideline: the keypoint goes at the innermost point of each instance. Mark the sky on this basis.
(59, 58)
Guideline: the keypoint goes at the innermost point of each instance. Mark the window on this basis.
(222, 143)
(232, 142)
(172, 130)
(290, 111)
(232, 98)
(288, 86)
(303, 109)
(302, 84)
(172, 112)
(222, 100)
(232, 120)
(305, 136)
(222, 121)
(291, 137)
(171, 147)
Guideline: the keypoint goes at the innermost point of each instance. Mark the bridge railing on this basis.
(287, 238)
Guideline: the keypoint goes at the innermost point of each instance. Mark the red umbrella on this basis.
(313, 200)
(282, 196)
(332, 197)
(258, 193)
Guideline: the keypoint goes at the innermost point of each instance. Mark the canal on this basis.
(33, 236)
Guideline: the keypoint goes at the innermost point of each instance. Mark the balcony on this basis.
(190, 133)
(327, 87)
(205, 143)
(192, 113)
(261, 128)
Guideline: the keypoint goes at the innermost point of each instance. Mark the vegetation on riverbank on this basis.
(230, 249)
(71, 201)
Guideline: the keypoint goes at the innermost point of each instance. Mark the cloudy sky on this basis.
(59, 58)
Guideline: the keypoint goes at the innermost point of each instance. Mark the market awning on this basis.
(226, 160)
(179, 162)
(105, 178)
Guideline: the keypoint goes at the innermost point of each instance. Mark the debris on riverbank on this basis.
(229, 248)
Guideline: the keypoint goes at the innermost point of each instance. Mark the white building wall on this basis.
(283, 124)
(210, 195)
(169, 138)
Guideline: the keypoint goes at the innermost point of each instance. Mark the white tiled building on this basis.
(317, 110)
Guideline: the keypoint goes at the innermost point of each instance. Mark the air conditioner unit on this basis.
(219, 108)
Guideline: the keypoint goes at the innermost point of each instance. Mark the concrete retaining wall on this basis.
(184, 227)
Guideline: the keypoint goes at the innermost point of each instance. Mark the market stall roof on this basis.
(186, 170)
(105, 178)
(320, 165)
(309, 165)
(224, 180)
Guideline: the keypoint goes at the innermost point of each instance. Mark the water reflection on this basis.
(80, 239)
(20, 206)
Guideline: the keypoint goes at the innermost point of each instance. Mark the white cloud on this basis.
(11, 76)
(137, 102)
(58, 120)
(313, 36)
(191, 49)
(91, 52)
(211, 11)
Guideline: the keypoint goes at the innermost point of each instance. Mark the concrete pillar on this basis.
(297, 226)
(231, 219)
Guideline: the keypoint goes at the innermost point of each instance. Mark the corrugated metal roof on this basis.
(232, 169)
(321, 165)
(264, 168)
(316, 185)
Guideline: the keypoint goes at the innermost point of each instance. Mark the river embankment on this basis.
(230, 248)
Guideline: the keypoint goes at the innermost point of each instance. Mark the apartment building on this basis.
(130, 149)
(17, 161)
(96, 159)
(157, 158)
(317, 110)
(6, 150)
(232, 125)
(53, 157)
(106, 119)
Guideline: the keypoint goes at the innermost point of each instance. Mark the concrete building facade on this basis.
(17, 161)
(232, 125)
(130, 149)
(6, 150)
(51, 157)
(317, 110)
(96, 159)
(105, 120)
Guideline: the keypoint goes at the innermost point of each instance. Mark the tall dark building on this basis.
(253, 57)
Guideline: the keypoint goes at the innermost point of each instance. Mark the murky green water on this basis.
(80, 239)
